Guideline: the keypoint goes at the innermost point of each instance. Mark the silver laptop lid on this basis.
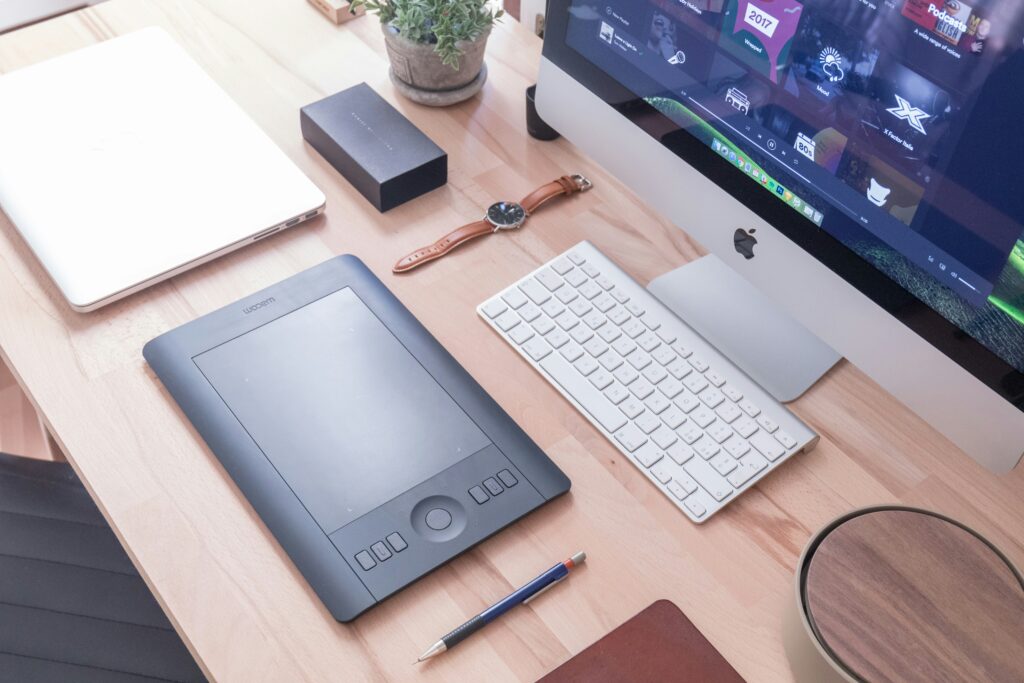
(124, 163)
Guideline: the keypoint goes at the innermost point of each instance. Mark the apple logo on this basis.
(744, 242)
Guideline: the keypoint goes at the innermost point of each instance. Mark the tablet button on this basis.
(365, 561)
(479, 495)
(507, 478)
(439, 519)
(493, 486)
(398, 543)
(380, 550)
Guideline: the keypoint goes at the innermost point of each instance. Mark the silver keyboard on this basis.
(697, 427)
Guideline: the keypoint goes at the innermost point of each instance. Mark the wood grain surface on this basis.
(227, 586)
(899, 595)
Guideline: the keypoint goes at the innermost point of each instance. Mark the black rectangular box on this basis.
(379, 151)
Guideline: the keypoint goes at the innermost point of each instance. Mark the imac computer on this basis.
(854, 161)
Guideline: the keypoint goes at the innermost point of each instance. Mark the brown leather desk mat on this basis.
(659, 644)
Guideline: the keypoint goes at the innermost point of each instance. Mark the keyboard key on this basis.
(694, 506)
(698, 363)
(657, 404)
(590, 289)
(728, 412)
(609, 333)
(654, 373)
(557, 338)
(550, 279)
(601, 379)
(506, 321)
(748, 467)
(648, 455)
(611, 361)
(537, 348)
(647, 422)
(633, 328)
(750, 408)
(690, 432)
(695, 383)
(679, 452)
(670, 387)
(662, 471)
(732, 393)
(617, 394)
(604, 283)
(639, 360)
(666, 335)
(529, 313)
(619, 295)
(745, 427)
(641, 389)
(706, 448)
(576, 258)
(767, 446)
(594, 320)
(664, 355)
(537, 293)
(673, 417)
(785, 439)
(580, 307)
(703, 416)
(648, 342)
(723, 463)
(712, 397)
(581, 334)
(652, 323)
(710, 480)
(595, 347)
(590, 270)
(552, 309)
(715, 379)
(627, 375)
(719, 431)
(571, 352)
(543, 325)
(576, 278)
(521, 333)
(630, 437)
(767, 424)
(562, 266)
(493, 308)
(514, 298)
(623, 346)
(619, 315)
(635, 308)
(603, 303)
(631, 407)
(679, 368)
(566, 295)
(737, 447)
(592, 400)
(567, 321)
(664, 437)
(676, 489)
(682, 350)
(585, 365)
(687, 402)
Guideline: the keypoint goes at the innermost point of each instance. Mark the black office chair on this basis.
(72, 606)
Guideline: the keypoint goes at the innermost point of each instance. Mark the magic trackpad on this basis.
(344, 413)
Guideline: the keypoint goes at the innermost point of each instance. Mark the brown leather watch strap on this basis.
(565, 185)
(443, 245)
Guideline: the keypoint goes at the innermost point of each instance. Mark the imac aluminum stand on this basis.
(764, 341)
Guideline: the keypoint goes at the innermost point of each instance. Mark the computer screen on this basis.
(893, 126)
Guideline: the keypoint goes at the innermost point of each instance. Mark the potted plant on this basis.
(436, 47)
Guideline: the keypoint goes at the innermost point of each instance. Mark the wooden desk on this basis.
(238, 601)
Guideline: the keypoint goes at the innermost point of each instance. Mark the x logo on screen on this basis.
(909, 113)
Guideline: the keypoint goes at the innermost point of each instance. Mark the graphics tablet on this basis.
(368, 451)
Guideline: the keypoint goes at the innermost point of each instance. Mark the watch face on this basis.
(506, 214)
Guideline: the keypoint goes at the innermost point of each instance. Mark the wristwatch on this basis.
(500, 216)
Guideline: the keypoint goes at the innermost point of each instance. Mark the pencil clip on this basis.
(544, 590)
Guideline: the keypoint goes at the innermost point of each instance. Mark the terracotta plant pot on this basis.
(419, 74)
